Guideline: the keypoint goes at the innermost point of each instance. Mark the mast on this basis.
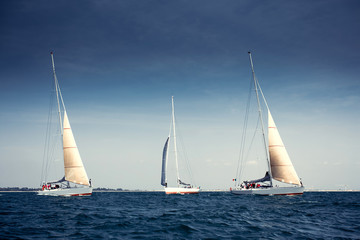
(175, 149)
(261, 117)
(57, 89)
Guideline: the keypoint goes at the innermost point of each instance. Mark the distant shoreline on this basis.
(133, 191)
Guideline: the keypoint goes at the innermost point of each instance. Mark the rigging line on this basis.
(261, 120)
(53, 141)
(51, 153)
(251, 143)
(57, 89)
(262, 94)
(168, 149)
(256, 83)
(60, 94)
(242, 142)
(253, 137)
(50, 148)
(47, 140)
(266, 145)
(48, 159)
(186, 158)
(183, 153)
(174, 131)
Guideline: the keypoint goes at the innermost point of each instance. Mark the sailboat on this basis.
(280, 177)
(182, 187)
(75, 182)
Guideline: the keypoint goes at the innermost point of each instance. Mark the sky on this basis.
(119, 62)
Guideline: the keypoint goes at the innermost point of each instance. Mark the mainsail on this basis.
(281, 167)
(164, 159)
(74, 168)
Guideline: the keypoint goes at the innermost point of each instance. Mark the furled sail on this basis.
(183, 183)
(281, 167)
(264, 179)
(74, 168)
(164, 158)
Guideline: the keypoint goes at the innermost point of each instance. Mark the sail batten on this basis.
(282, 168)
(73, 165)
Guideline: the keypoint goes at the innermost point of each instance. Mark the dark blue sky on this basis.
(129, 57)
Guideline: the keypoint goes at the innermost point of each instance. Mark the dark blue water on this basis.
(124, 215)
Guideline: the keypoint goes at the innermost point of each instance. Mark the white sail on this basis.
(74, 168)
(282, 168)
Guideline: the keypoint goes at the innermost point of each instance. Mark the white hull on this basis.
(269, 191)
(67, 192)
(176, 190)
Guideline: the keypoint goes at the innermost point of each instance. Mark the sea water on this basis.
(154, 215)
